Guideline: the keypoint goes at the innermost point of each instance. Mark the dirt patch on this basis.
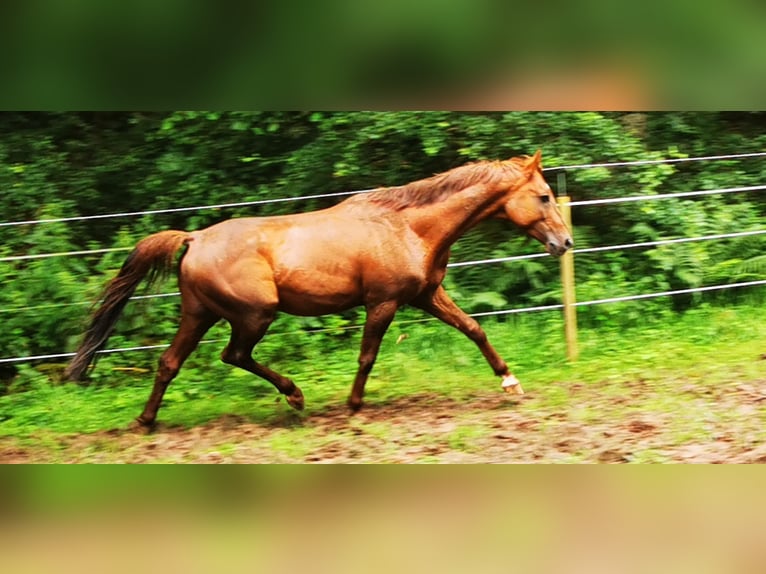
(491, 428)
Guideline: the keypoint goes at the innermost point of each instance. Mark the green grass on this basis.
(462, 438)
(655, 367)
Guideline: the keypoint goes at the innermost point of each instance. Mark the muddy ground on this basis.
(489, 428)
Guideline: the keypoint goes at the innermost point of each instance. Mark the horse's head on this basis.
(532, 206)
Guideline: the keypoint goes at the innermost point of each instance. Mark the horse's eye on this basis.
(545, 198)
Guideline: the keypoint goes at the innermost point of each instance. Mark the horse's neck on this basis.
(441, 224)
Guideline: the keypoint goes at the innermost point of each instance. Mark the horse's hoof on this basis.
(354, 406)
(295, 399)
(140, 427)
(511, 385)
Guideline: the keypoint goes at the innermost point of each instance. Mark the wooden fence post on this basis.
(567, 275)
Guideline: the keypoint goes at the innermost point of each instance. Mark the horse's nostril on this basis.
(568, 243)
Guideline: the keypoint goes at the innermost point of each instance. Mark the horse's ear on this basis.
(533, 163)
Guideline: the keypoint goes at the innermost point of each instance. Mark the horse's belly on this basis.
(318, 296)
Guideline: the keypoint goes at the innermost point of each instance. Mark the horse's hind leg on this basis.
(239, 351)
(191, 330)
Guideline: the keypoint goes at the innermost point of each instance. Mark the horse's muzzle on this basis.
(559, 247)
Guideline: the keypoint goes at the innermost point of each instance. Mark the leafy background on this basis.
(68, 164)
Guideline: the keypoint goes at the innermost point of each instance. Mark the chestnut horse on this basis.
(382, 249)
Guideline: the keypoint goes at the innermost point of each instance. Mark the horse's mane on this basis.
(443, 185)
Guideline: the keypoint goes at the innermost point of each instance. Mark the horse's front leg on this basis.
(379, 317)
(439, 304)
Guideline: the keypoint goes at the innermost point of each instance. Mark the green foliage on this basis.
(55, 165)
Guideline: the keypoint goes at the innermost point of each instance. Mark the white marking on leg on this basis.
(511, 385)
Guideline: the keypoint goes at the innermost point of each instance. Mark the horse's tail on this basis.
(152, 258)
